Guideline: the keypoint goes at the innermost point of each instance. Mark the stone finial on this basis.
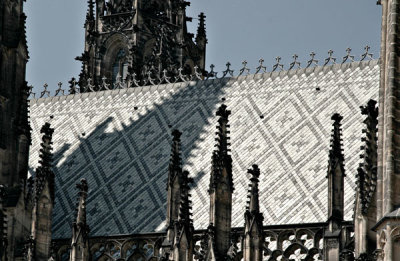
(59, 90)
(366, 177)
(366, 55)
(181, 76)
(348, 56)
(278, 64)
(46, 148)
(336, 152)
(253, 203)
(336, 175)
(175, 163)
(330, 58)
(44, 172)
(212, 73)
(45, 91)
(312, 60)
(201, 37)
(228, 70)
(295, 62)
(104, 84)
(221, 159)
(261, 67)
(89, 85)
(253, 226)
(244, 70)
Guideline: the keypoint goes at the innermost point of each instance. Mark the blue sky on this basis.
(237, 30)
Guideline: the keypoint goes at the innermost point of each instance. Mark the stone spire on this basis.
(366, 177)
(201, 39)
(174, 176)
(43, 172)
(253, 227)
(174, 191)
(221, 169)
(221, 187)
(333, 235)
(336, 172)
(80, 229)
(43, 200)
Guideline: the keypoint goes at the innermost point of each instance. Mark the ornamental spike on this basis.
(312, 60)
(244, 69)
(366, 55)
(348, 56)
(45, 91)
(228, 70)
(261, 67)
(295, 62)
(278, 64)
(330, 58)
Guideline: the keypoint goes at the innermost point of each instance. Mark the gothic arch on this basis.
(111, 47)
(294, 247)
(395, 236)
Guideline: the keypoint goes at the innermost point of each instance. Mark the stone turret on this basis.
(43, 201)
(253, 226)
(220, 190)
(333, 235)
(80, 229)
(365, 204)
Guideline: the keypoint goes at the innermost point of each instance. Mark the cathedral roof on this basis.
(119, 141)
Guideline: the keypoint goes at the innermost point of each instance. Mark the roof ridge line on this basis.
(239, 78)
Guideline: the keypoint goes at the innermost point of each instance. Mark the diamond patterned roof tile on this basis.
(119, 141)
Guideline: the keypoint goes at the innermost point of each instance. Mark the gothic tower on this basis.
(388, 180)
(14, 130)
(129, 38)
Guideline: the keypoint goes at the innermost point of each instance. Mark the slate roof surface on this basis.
(119, 141)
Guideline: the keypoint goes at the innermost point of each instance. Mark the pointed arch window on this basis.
(120, 66)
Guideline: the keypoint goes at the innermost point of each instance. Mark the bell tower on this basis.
(133, 37)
